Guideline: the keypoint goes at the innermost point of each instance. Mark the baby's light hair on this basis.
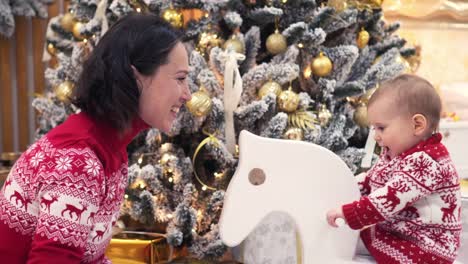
(413, 95)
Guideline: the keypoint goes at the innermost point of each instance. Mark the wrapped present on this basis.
(3, 175)
(7, 159)
(140, 247)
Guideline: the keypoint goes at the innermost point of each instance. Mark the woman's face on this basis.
(163, 93)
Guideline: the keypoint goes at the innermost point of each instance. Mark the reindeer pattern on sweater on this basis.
(412, 204)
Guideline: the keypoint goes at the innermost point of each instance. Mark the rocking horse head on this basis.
(301, 179)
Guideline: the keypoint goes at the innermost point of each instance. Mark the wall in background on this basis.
(21, 76)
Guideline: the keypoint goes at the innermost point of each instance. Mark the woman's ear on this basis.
(138, 77)
(419, 124)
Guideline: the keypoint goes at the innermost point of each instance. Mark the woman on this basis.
(63, 195)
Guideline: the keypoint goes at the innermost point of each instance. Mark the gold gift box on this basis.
(138, 249)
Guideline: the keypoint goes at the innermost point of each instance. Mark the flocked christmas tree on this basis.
(306, 70)
(27, 8)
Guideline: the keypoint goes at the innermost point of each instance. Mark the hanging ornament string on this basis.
(100, 15)
(232, 94)
(210, 139)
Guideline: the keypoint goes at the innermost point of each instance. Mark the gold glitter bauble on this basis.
(288, 101)
(360, 116)
(234, 43)
(174, 17)
(324, 115)
(67, 22)
(276, 43)
(338, 5)
(77, 30)
(294, 133)
(362, 39)
(200, 104)
(269, 87)
(321, 65)
(51, 49)
(64, 91)
(208, 40)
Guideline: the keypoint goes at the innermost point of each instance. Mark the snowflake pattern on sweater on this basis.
(63, 196)
(411, 205)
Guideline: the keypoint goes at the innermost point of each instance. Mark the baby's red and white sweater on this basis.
(410, 211)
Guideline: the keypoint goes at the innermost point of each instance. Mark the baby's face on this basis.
(394, 130)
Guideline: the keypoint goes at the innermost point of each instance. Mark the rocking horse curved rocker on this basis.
(301, 179)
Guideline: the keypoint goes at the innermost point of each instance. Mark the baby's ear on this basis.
(419, 124)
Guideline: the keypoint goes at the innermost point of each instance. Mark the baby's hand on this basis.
(335, 217)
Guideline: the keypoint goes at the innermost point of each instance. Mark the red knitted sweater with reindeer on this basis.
(411, 206)
(63, 195)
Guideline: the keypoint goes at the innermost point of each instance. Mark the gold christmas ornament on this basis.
(276, 43)
(77, 27)
(64, 91)
(324, 115)
(294, 133)
(321, 65)
(269, 87)
(208, 40)
(364, 99)
(174, 17)
(401, 60)
(288, 101)
(360, 116)
(67, 22)
(234, 43)
(51, 49)
(338, 5)
(363, 38)
(200, 104)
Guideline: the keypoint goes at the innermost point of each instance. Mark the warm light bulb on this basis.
(219, 174)
(300, 45)
(204, 188)
(126, 196)
(171, 179)
(307, 72)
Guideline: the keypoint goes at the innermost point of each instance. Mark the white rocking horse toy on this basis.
(301, 179)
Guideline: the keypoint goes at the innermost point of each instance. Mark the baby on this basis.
(410, 208)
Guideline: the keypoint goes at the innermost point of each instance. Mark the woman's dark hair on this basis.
(107, 88)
